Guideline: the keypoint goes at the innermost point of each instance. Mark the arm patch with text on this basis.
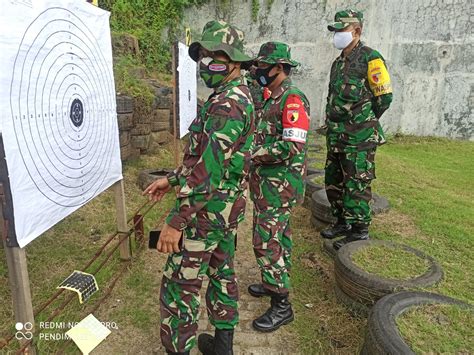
(295, 120)
(379, 79)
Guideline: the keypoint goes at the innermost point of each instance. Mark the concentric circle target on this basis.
(63, 108)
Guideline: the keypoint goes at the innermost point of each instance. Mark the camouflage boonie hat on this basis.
(220, 36)
(276, 53)
(345, 18)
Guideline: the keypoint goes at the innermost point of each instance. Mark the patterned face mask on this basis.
(213, 71)
(263, 77)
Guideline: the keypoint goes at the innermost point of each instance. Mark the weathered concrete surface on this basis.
(428, 45)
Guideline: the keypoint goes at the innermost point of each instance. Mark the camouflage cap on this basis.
(220, 36)
(276, 53)
(345, 18)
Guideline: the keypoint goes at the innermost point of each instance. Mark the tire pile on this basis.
(321, 215)
(146, 177)
(360, 290)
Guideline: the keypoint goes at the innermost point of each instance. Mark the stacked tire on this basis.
(125, 108)
(311, 186)
(360, 290)
(321, 208)
(383, 336)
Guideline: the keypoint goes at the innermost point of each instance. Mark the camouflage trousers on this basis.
(348, 177)
(208, 253)
(272, 246)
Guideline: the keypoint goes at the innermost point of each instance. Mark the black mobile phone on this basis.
(154, 236)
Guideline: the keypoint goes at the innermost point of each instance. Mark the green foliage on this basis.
(127, 83)
(156, 24)
(255, 9)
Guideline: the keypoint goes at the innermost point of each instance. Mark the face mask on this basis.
(213, 71)
(342, 39)
(262, 76)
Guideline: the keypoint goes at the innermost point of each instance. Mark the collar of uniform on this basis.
(353, 53)
(233, 83)
(281, 89)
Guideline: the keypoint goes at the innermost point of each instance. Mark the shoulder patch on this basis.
(295, 120)
(378, 77)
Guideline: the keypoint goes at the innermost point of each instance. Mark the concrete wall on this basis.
(428, 45)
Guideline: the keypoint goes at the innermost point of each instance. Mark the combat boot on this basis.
(279, 313)
(358, 232)
(341, 228)
(219, 344)
(257, 290)
(172, 353)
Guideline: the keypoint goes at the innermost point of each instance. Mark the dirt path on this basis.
(130, 338)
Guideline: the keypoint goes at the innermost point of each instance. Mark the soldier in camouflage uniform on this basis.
(277, 179)
(210, 200)
(359, 93)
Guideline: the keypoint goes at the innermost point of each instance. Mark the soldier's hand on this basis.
(169, 240)
(157, 189)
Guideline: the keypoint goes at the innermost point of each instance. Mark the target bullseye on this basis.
(77, 113)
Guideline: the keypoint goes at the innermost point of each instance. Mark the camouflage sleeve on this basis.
(224, 125)
(295, 121)
(379, 83)
(173, 177)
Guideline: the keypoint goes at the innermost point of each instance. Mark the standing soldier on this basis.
(210, 201)
(277, 179)
(359, 93)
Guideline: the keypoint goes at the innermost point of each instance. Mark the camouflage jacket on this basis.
(359, 93)
(279, 153)
(256, 91)
(216, 162)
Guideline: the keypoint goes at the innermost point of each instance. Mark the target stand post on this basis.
(16, 262)
(122, 226)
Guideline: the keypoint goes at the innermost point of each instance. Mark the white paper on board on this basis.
(58, 109)
(187, 89)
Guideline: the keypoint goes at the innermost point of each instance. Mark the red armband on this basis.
(295, 120)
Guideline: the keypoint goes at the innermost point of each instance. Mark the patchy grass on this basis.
(428, 183)
(390, 262)
(441, 329)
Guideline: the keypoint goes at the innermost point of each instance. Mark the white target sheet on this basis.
(187, 89)
(58, 109)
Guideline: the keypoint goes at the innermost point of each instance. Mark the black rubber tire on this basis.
(146, 177)
(320, 207)
(369, 288)
(328, 247)
(124, 104)
(382, 335)
(318, 224)
(314, 171)
(312, 187)
(357, 309)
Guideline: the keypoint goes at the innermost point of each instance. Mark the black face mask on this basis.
(262, 77)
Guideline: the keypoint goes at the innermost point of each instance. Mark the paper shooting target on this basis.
(62, 109)
(61, 86)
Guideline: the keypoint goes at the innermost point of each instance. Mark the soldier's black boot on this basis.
(358, 232)
(341, 228)
(172, 353)
(257, 290)
(219, 344)
(279, 313)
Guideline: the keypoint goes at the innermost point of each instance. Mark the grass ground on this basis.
(426, 329)
(428, 183)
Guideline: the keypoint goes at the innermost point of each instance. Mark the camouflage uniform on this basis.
(359, 93)
(277, 172)
(210, 204)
